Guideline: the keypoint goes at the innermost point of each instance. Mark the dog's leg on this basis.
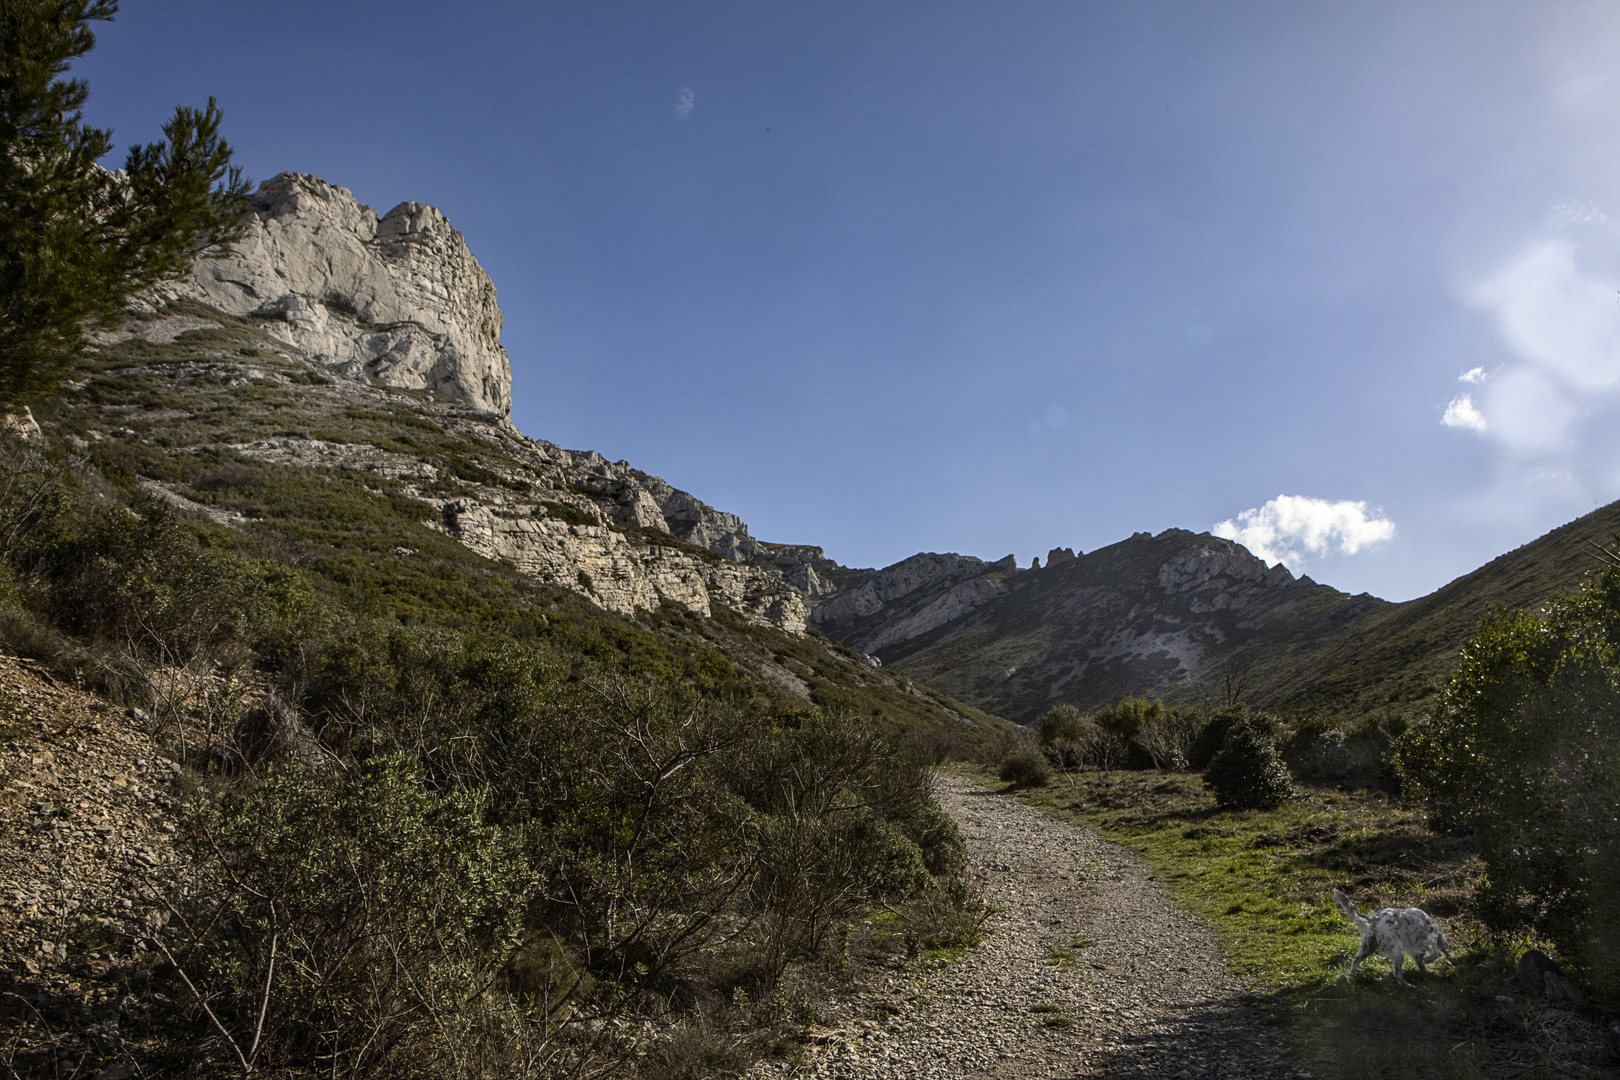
(1364, 952)
(1400, 959)
(1418, 960)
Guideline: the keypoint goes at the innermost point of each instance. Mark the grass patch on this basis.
(1052, 1015)
(1262, 880)
(1067, 956)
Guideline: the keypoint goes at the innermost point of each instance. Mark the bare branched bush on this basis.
(359, 928)
(1167, 739)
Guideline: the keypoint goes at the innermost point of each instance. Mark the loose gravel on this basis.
(1087, 970)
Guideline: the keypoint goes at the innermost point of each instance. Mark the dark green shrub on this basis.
(1325, 751)
(934, 745)
(1026, 767)
(369, 922)
(1248, 773)
(1212, 736)
(1072, 739)
(1167, 737)
(1061, 723)
(1122, 722)
(844, 821)
(1524, 753)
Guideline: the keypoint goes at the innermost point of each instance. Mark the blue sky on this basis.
(998, 278)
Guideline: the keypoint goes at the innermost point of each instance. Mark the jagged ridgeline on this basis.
(359, 357)
(334, 395)
(1186, 617)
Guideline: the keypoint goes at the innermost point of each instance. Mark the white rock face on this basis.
(957, 601)
(620, 572)
(617, 573)
(400, 299)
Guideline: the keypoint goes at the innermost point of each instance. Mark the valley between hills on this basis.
(335, 340)
(294, 607)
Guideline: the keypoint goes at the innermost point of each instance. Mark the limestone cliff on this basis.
(398, 299)
(569, 518)
(399, 302)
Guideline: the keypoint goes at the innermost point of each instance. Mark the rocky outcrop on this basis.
(874, 609)
(398, 299)
(617, 572)
(569, 518)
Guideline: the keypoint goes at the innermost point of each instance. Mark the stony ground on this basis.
(87, 824)
(1088, 970)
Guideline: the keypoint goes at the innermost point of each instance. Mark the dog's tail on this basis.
(1349, 910)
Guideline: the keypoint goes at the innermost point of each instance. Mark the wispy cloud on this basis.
(1557, 316)
(1288, 527)
(1462, 413)
(685, 102)
(1561, 320)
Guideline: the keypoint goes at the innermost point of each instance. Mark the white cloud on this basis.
(1289, 526)
(1555, 316)
(1462, 413)
(685, 102)
(1586, 213)
(1473, 375)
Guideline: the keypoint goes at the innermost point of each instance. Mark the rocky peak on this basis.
(1211, 562)
(400, 299)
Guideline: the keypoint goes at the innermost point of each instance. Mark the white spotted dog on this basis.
(1396, 933)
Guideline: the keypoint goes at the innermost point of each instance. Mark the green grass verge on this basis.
(1262, 881)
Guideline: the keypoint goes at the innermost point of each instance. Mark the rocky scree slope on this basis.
(88, 819)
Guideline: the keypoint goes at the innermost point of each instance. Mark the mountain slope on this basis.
(1401, 655)
(352, 362)
(1194, 618)
(405, 494)
(1159, 615)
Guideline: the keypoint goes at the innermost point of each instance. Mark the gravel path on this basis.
(1089, 970)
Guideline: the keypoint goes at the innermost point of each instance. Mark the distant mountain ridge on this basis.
(1157, 615)
(343, 311)
(1190, 618)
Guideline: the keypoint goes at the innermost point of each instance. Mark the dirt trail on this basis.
(1145, 993)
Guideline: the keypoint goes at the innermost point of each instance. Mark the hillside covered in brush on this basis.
(420, 747)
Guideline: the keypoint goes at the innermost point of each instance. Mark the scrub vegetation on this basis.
(1494, 813)
(447, 820)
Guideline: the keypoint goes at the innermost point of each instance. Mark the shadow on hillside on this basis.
(1451, 1026)
(1459, 1024)
(78, 1022)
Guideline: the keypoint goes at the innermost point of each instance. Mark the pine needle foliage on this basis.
(77, 241)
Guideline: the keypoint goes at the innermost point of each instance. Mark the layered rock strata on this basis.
(580, 522)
